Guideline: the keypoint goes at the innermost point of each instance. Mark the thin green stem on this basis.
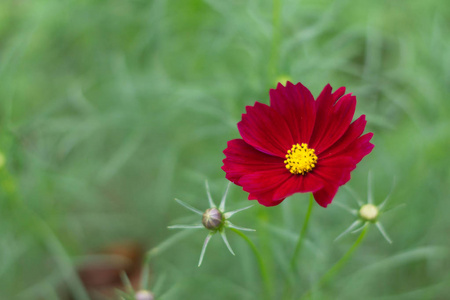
(300, 240)
(262, 267)
(338, 265)
(273, 62)
(287, 290)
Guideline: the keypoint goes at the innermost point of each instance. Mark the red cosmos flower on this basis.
(297, 145)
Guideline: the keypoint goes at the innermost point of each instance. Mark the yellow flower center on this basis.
(300, 159)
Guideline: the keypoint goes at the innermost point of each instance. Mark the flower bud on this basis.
(283, 79)
(212, 219)
(368, 212)
(144, 295)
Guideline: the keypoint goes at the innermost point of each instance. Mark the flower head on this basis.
(369, 212)
(212, 219)
(215, 219)
(366, 213)
(297, 145)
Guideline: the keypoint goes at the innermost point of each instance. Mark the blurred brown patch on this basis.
(100, 273)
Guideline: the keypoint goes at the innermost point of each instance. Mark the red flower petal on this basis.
(272, 187)
(337, 122)
(299, 184)
(262, 185)
(338, 93)
(265, 199)
(325, 196)
(296, 104)
(324, 108)
(242, 159)
(264, 129)
(335, 170)
(264, 181)
(353, 132)
(359, 148)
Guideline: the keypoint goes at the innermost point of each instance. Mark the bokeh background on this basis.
(111, 109)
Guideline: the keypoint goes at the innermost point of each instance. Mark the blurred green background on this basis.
(111, 109)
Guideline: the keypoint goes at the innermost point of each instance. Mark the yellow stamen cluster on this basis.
(300, 159)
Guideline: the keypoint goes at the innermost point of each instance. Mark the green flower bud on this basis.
(212, 219)
(369, 212)
(283, 79)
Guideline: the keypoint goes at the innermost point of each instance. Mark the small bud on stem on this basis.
(368, 212)
(212, 219)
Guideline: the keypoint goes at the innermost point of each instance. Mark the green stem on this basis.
(273, 62)
(288, 284)
(262, 267)
(338, 265)
(300, 240)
